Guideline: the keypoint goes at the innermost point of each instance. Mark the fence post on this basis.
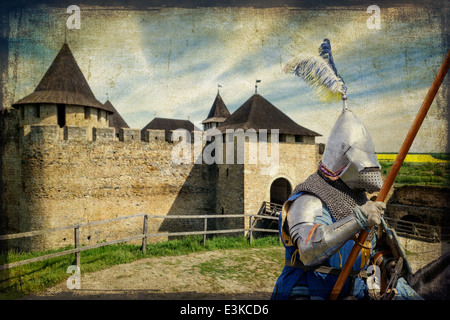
(144, 232)
(77, 245)
(251, 228)
(205, 228)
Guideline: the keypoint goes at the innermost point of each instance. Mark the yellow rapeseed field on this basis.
(410, 158)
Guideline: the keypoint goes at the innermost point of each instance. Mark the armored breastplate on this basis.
(336, 195)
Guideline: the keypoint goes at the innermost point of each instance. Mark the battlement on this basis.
(9, 113)
(40, 133)
(103, 134)
(154, 136)
(9, 119)
(129, 134)
(75, 133)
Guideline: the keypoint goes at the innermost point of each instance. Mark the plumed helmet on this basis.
(350, 154)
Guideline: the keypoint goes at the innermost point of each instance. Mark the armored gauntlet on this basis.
(370, 213)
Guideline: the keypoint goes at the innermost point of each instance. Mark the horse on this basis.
(432, 282)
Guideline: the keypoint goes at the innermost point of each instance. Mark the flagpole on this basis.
(256, 85)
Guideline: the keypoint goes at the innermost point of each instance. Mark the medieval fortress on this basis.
(67, 158)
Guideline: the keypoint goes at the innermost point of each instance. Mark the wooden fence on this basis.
(419, 231)
(270, 209)
(143, 236)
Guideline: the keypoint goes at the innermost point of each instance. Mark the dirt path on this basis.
(221, 274)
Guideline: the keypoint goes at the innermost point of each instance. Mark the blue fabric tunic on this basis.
(317, 286)
(310, 283)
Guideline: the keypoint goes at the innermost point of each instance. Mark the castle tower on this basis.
(115, 120)
(63, 97)
(258, 113)
(243, 187)
(49, 180)
(217, 114)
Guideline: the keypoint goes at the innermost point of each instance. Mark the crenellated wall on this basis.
(61, 176)
(56, 176)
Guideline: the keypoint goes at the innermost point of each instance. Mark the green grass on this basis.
(242, 268)
(424, 174)
(34, 277)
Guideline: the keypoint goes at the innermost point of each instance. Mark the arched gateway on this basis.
(280, 190)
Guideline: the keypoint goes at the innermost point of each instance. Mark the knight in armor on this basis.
(321, 219)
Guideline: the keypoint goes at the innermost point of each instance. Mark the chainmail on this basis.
(337, 196)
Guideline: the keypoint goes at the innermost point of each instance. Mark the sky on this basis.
(168, 62)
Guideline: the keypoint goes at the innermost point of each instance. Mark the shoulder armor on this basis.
(302, 214)
(317, 241)
(305, 209)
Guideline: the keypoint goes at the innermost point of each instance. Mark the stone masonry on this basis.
(56, 176)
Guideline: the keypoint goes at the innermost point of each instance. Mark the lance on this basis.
(387, 184)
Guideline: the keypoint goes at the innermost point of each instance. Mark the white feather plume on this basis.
(315, 71)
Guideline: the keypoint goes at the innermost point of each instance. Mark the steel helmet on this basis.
(350, 154)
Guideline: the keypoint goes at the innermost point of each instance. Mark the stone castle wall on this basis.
(250, 184)
(296, 162)
(422, 204)
(55, 177)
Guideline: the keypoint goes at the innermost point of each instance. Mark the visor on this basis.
(362, 159)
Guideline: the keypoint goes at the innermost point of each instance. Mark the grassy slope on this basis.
(37, 276)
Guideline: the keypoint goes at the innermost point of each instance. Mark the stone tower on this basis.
(217, 114)
(62, 164)
(252, 182)
(61, 108)
(63, 98)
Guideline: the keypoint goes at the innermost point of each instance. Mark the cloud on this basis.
(169, 62)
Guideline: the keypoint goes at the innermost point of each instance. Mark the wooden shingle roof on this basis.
(115, 120)
(258, 113)
(168, 125)
(63, 83)
(218, 112)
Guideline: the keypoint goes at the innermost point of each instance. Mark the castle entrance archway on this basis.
(280, 190)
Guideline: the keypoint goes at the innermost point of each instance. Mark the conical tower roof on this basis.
(63, 83)
(115, 120)
(218, 112)
(258, 113)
